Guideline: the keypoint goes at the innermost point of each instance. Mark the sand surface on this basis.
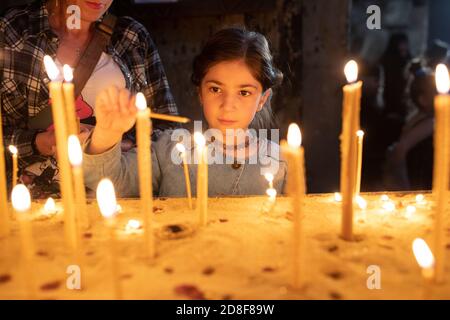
(245, 252)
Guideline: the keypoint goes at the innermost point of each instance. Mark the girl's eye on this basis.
(215, 89)
(245, 93)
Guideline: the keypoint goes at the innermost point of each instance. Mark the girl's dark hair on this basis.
(234, 44)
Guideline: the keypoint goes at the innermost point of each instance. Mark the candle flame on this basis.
(442, 79)
(13, 149)
(51, 68)
(141, 102)
(272, 193)
(106, 198)
(362, 203)
(423, 254)
(294, 136)
(68, 73)
(75, 152)
(420, 198)
(410, 210)
(360, 133)
(351, 71)
(133, 224)
(20, 198)
(389, 206)
(199, 139)
(180, 147)
(50, 205)
(269, 177)
(337, 197)
(384, 197)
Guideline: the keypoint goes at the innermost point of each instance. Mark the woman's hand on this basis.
(115, 112)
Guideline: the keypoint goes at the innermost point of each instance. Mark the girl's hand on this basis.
(115, 112)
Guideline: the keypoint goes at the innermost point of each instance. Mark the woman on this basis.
(130, 61)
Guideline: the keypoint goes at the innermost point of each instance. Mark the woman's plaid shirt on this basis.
(26, 37)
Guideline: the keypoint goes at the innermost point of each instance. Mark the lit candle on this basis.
(76, 160)
(269, 178)
(132, 226)
(389, 206)
(272, 193)
(202, 179)
(21, 201)
(187, 180)
(60, 125)
(296, 189)
(13, 151)
(50, 206)
(268, 207)
(107, 203)
(4, 208)
(350, 125)
(410, 210)
(359, 153)
(143, 129)
(420, 199)
(426, 261)
(441, 165)
(361, 202)
(69, 98)
(337, 197)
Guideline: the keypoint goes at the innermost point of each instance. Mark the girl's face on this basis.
(231, 96)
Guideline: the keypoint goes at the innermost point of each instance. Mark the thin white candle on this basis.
(76, 160)
(14, 152)
(107, 203)
(144, 128)
(202, 179)
(441, 167)
(21, 202)
(187, 180)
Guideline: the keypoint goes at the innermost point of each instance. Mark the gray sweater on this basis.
(244, 178)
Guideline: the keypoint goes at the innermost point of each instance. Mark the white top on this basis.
(106, 73)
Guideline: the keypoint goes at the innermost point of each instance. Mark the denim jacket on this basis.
(244, 177)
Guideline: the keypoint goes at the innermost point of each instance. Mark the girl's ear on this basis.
(264, 98)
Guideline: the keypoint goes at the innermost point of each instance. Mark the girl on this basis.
(234, 76)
